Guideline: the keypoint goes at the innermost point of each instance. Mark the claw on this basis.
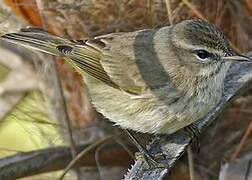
(151, 161)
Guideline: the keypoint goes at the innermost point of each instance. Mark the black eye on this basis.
(203, 54)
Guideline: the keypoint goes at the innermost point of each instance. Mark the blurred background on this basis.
(43, 101)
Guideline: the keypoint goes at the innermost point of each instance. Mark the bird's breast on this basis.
(164, 112)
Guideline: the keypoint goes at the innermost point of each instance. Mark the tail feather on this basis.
(38, 39)
(83, 57)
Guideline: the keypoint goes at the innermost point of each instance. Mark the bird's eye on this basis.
(203, 54)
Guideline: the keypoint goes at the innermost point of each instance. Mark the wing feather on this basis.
(111, 59)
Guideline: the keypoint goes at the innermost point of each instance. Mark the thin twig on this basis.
(97, 161)
(46, 160)
(67, 120)
(169, 11)
(66, 117)
(82, 153)
(190, 162)
(242, 142)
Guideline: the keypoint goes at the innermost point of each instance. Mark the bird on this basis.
(154, 81)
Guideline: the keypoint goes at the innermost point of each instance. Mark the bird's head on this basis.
(203, 48)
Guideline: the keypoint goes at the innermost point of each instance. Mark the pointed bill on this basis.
(237, 57)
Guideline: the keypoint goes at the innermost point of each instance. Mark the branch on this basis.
(173, 146)
(57, 158)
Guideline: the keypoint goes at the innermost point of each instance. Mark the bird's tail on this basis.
(38, 39)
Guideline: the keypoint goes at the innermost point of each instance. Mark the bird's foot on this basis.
(153, 162)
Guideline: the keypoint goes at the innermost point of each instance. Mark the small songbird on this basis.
(152, 81)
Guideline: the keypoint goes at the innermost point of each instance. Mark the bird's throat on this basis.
(207, 84)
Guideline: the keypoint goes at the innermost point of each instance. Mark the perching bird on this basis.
(151, 81)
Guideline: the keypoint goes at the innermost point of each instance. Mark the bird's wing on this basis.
(86, 58)
(114, 69)
(119, 61)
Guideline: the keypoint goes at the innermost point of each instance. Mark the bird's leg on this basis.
(194, 134)
(139, 146)
(144, 153)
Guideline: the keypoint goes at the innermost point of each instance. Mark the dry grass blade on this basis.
(169, 11)
(194, 9)
(190, 162)
(242, 143)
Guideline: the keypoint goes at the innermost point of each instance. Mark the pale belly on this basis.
(147, 115)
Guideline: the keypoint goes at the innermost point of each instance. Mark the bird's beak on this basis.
(237, 58)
